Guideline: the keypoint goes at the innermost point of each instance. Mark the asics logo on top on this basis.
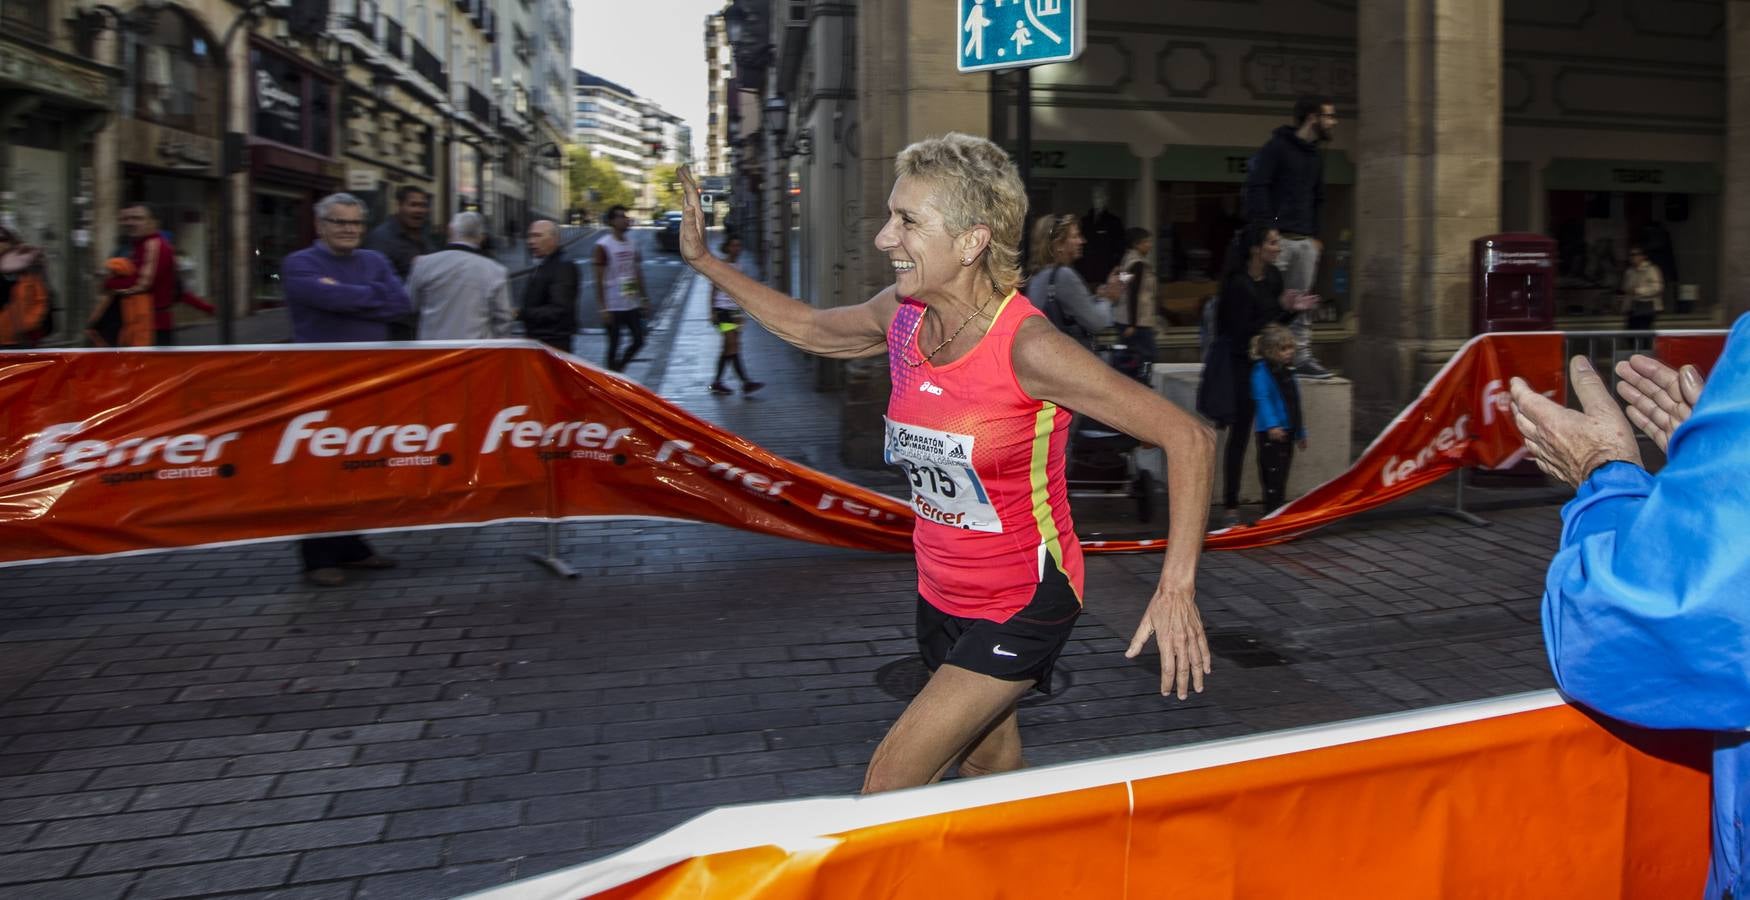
(998, 650)
(930, 388)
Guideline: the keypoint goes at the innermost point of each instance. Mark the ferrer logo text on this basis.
(183, 453)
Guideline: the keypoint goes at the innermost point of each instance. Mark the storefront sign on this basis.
(65, 80)
(1633, 176)
(363, 179)
(1229, 164)
(1076, 159)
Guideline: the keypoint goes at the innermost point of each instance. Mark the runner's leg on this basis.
(953, 710)
(998, 751)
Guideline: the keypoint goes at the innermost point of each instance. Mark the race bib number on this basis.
(629, 288)
(944, 487)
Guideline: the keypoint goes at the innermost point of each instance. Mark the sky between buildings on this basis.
(654, 47)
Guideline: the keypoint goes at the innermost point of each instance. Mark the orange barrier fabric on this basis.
(1546, 803)
(121, 451)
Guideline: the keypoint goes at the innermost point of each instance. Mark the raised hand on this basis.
(693, 246)
(1659, 397)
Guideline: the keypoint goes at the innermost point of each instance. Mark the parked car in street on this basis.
(668, 235)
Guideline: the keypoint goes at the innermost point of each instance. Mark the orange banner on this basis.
(1462, 419)
(1516, 797)
(108, 452)
(124, 451)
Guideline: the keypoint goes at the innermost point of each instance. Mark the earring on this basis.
(966, 261)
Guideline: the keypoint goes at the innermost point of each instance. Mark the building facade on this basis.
(633, 133)
(133, 101)
(1597, 124)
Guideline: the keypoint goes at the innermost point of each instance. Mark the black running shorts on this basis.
(1025, 648)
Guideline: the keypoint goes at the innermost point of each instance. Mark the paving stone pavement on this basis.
(201, 723)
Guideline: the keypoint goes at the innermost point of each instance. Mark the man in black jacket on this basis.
(549, 305)
(1285, 188)
(402, 237)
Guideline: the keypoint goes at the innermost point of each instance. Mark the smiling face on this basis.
(924, 257)
(1271, 248)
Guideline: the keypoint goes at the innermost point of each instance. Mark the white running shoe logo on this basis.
(929, 388)
(998, 650)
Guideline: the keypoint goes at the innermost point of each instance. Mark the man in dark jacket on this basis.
(1285, 188)
(401, 237)
(549, 305)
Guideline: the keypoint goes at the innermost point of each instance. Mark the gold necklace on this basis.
(968, 321)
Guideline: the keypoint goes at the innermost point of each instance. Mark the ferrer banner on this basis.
(112, 452)
(117, 452)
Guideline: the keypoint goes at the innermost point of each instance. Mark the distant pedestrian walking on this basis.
(549, 302)
(337, 292)
(726, 315)
(460, 294)
(1278, 421)
(619, 289)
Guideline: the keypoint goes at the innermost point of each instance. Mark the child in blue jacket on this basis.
(1279, 423)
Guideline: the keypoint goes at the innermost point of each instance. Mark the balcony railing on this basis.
(479, 106)
(392, 38)
(427, 64)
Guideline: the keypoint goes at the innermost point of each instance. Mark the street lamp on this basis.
(734, 22)
(231, 163)
(777, 117)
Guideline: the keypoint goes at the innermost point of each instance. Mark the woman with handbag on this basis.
(1058, 290)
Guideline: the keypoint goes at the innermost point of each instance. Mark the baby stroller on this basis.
(1102, 459)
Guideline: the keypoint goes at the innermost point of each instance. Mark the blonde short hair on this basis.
(1272, 338)
(976, 184)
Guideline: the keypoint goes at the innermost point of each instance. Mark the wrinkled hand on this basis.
(693, 246)
(1569, 444)
(1173, 619)
(1659, 397)
(1278, 435)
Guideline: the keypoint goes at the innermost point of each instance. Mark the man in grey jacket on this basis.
(461, 294)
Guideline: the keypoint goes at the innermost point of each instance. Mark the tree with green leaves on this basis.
(595, 185)
(667, 179)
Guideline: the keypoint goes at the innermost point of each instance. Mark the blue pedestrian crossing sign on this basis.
(1013, 34)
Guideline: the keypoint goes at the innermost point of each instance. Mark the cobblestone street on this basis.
(202, 723)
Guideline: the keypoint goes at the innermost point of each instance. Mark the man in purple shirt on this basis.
(336, 292)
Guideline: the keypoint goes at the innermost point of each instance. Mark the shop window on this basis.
(293, 104)
(1595, 229)
(173, 74)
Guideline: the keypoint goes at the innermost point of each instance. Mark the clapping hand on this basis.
(1659, 397)
(1567, 443)
(1300, 301)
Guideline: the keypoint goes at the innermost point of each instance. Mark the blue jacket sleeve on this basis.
(393, 301)
(1271, 413)
(1646, 608)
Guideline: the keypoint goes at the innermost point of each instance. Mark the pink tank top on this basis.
(986, 464)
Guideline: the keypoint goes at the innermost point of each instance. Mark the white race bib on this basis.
(944, 487)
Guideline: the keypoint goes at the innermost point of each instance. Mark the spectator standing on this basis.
(25, 304)
(619, 288)
(1285, 189)
(154, 275)
(457, 293)
(1644, 610)
(402, 238)
(549, 301)
(1057, 289)
(1277, 421)
(1138, 318)
(1643, 292)
(338, 292)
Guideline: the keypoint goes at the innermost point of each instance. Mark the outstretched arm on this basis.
(844, 332)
